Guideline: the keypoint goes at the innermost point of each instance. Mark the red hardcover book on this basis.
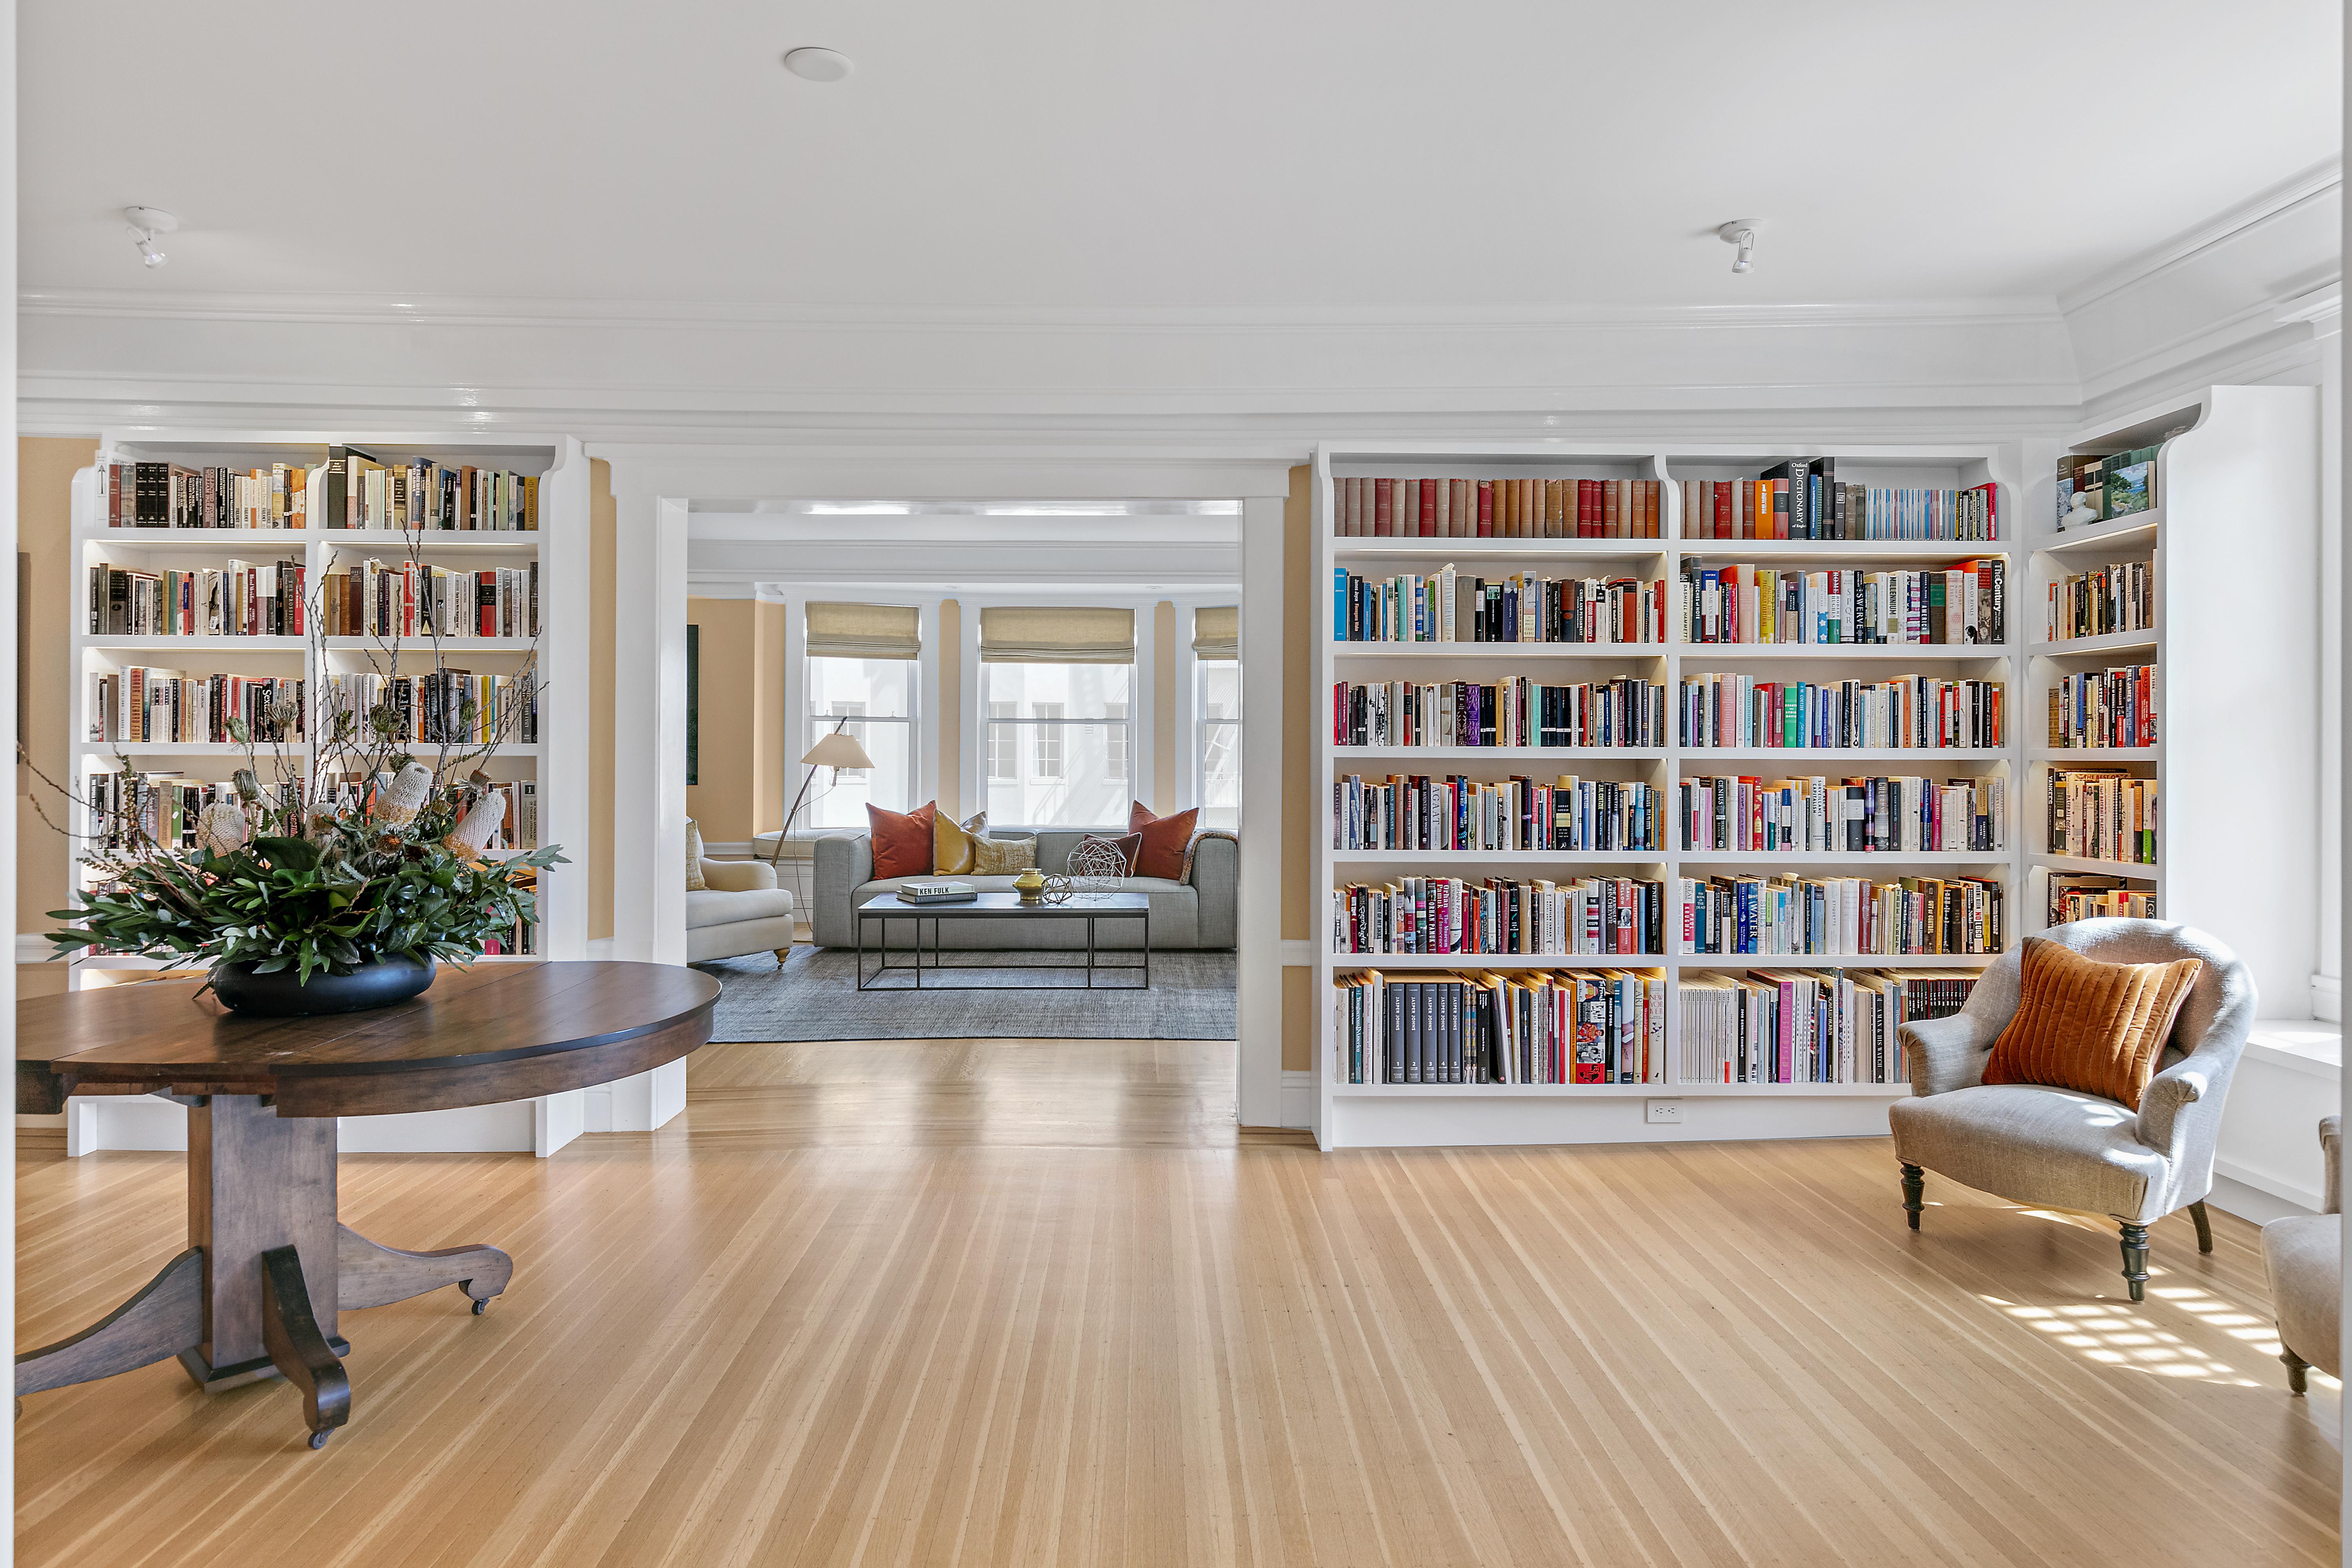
(1485, 509)
(1586, 522)
(1719, 507)
(1428, 507)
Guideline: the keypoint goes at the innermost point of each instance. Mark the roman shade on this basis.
(1217, 631)
(1057, 633)
(863, 631)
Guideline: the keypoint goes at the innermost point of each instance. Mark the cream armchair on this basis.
(2305, 1255)
(2069, 1150)
(737, 911)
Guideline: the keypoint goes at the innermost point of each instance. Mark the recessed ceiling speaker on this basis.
(812, 64)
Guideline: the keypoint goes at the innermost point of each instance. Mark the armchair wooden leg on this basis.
(2295, 1367)
(783, 957)
(2135, 1259)
(1914, 1183)
(2204, 1227)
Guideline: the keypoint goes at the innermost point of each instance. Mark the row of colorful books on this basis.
(2086, 898)
(1807, 1025)
(1420, 811)
(1832, 916)
(1514, 711)
(169, 707)
(1965, 602)
(1802, 498)
(1496, 509)
(2117, 483)
(1907, 712)
(2098, 708)
(239, 598)
(351, 490)
(1892, 814)
(2102, 600)
(1444, 606)
(407, 599)
(2102, 814)
(446, 707)
(1587, 917)
(1593, 1027)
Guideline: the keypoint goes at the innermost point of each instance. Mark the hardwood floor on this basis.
(1039, 1302)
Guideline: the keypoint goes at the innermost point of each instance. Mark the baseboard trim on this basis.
(2259, 1189)
(1298, 1100)
(2252, 1203)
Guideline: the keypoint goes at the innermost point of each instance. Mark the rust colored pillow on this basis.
(1167, 841)
(2083, 1025)
(902, 840)
(1126, 846)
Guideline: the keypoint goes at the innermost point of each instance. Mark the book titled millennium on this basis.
(939, 893)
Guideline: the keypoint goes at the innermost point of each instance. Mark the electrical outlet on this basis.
(1664, 1113)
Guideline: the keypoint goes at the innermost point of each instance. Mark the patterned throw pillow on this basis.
(1128, 848)
(693, 882)
(1003, 857)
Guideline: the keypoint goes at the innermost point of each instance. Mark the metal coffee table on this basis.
(1090, 908)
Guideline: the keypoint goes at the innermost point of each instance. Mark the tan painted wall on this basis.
(728, 704)
(1299, 898)
(949, 729)
(603, 558)
(45, 472)
(768, 717)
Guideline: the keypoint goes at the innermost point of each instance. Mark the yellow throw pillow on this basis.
(1003, 857)
(2083, 1025)
(694, 883)
(950, 847)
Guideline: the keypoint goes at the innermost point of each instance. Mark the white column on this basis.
(649, 731)
(922, 735)
(1258, 938)
(565, 709)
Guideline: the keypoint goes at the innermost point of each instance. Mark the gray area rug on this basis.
(815, 997)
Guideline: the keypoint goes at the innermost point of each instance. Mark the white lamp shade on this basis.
(837, 751)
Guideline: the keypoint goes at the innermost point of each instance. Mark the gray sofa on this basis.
(1195, 913)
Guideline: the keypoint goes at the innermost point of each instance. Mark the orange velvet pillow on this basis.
(1167, 840)
(2083, 1025)
(902, 840)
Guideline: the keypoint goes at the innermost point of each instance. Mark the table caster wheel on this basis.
(481, 1306)
(318, 1440)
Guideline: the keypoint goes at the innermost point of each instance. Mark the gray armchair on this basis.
(2064, 1147)
(2305, 1255)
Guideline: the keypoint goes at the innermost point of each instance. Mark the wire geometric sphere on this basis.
(1096, 866)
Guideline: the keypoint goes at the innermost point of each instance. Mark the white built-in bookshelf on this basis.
(2230, 545)
(1380, 1113)
(557, 761)
(2229, 542)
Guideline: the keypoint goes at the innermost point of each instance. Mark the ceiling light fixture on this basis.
(1741, 232)
(811, 63)
(146, 222)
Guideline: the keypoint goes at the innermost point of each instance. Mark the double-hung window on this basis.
(864, 662)
(1217, 713)
(1058, 685)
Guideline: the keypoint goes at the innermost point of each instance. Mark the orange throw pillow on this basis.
(902, 840)
(2083, 1025)
(1167, 840)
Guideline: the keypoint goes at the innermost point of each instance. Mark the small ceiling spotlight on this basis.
(1741, 232)
(814, 64)
(146, 222)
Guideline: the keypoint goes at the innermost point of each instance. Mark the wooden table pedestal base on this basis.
(267, 1270)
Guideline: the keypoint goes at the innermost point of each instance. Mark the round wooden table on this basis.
(268, 1266)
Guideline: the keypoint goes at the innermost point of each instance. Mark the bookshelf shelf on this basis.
(106, 748)
(2072, 754)
(1510, 650)
(2098, 539)
(1818, 653)
(519, 543)
(2097, 646)
(1404, 1114)
(227, 540)
(2095, 867)
(415, 647)
(1501, 756)
(191, 644)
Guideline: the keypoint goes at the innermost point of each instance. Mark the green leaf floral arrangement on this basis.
(349, 890)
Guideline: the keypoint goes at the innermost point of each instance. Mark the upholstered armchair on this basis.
(2304, 1254)
(2066, 1149)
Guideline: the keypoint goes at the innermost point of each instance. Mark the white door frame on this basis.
(653, 484)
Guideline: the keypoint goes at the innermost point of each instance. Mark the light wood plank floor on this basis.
(1038, 1302)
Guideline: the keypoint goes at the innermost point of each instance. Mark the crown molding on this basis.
(2314, 183)
(480, 310)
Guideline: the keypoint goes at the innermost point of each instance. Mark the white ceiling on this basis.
(1384, 154)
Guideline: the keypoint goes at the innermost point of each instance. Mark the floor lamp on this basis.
(835, 751)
